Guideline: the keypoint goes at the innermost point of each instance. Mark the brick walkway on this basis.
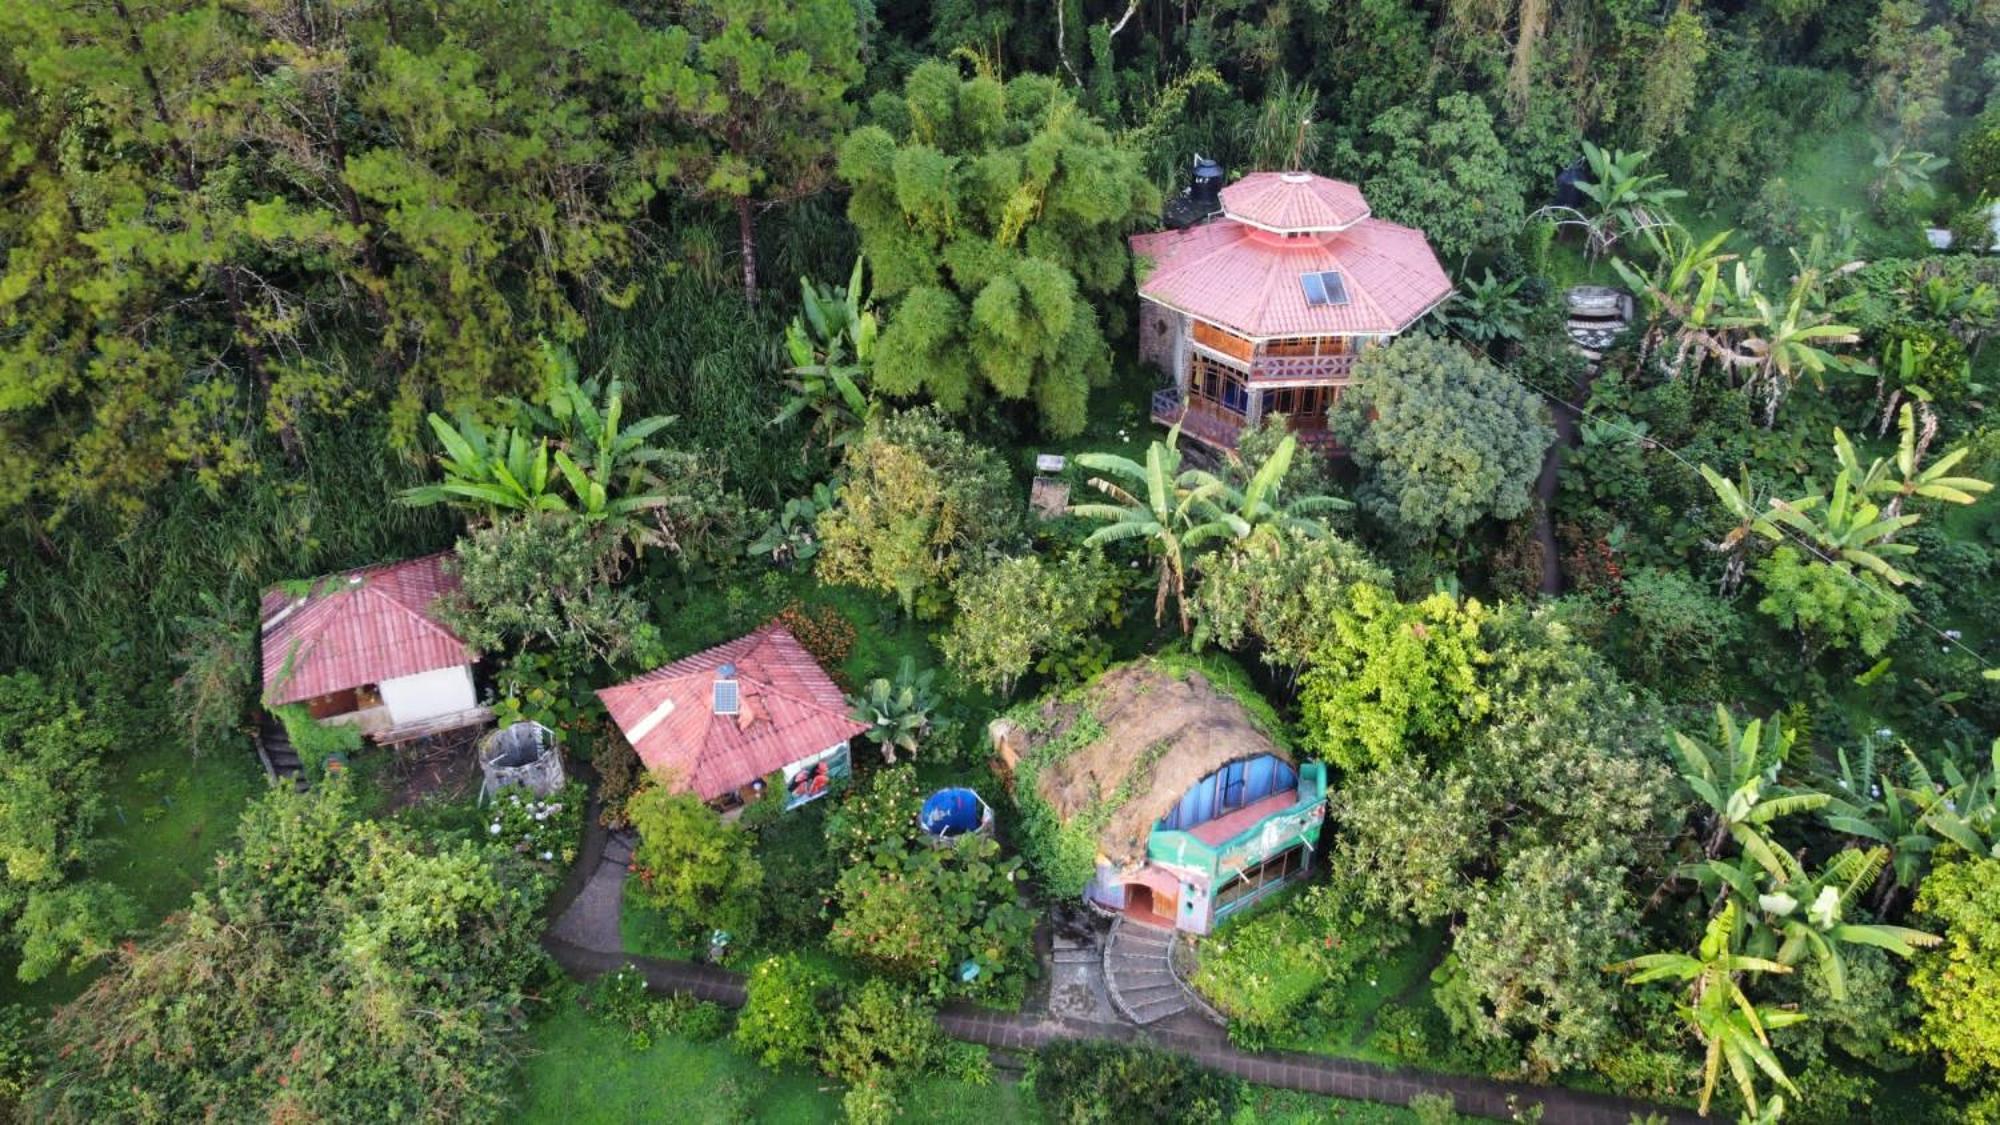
(1315, 1074)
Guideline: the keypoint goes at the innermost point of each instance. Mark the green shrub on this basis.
(695, 866)
(881, 1034)
(781, 1023)
(1284, 972)
(314, 741)
(882, 809)
(52, 753)
(352, 969)
(20, 1056)
(1979, 155)
(969, 1063)
(544, 829)
(1090, 1082)
(922, 914)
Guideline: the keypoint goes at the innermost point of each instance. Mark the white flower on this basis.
(548, 855)
(494, 828)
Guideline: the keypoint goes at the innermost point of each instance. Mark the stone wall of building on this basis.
(1159, 331)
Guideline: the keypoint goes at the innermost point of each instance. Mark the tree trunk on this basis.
(746, 229)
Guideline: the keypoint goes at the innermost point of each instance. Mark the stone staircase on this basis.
(1139, 975)
(274, 747)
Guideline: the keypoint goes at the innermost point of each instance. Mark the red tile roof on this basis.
(358, 627)
(1294, 201)
(790, 709)
(1247, 280)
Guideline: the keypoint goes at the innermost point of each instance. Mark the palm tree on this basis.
(1732, 1028)
(1736, 780)
(1172, 510)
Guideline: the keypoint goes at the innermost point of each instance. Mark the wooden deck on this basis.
(1218, 428)
(442, 724)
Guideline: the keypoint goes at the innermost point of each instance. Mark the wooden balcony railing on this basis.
(1203, 422)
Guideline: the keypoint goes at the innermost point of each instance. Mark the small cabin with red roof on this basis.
(1261, 307)
(367, 647)
(717, 723)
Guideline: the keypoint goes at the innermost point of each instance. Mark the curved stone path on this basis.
(584, 939)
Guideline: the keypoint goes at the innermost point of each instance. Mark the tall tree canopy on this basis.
(220, 220)
(992, 211)
(1443, 437)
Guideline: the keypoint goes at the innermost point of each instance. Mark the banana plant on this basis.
(1733, 1029)
(1845, 526)
(1871, 806)
(1257, 504)
(1968, 814)
(898, 712)
(1910, 477)
(1801, 912)
(498, 470)
(1736, 779)
(1173, 510)
(831, 344)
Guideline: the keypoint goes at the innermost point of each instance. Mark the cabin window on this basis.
(1301, 404)
(1218, 383)
(1258, 877)
(1234, 786)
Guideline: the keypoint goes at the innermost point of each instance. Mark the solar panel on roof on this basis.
(728, 700)
(1326, 287)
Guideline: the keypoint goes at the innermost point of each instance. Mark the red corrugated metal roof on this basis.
(1285, 201)
(1247, 280)
(790, 708)
(358, 627)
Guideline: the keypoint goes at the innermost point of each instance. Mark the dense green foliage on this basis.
(1083, 1082)
(920, 503)
(332, 966)
(1021, 611)
(51, 805)
(258, 259)
(994, 213)
(944, 919)
(1442, 437)
(696, 867)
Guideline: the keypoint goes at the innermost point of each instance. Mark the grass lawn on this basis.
(1403, 979)
(167, 816)
(583, 1072)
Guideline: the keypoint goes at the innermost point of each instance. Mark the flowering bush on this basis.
(882, 809)
(781, 1021)
(927, 915)
(546, 830)
(625, 1000)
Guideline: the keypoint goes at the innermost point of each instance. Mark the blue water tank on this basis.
(952, 812)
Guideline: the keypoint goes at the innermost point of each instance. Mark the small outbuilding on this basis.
(367, 647)
(1195, 806)
(717, 723)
